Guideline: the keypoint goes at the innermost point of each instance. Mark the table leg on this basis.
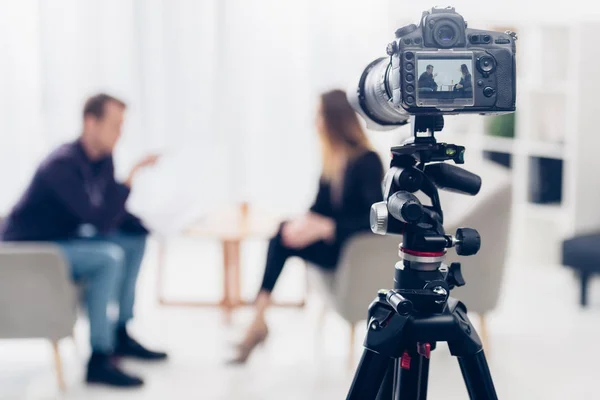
(227, 303)
(232, 296)
(236, 286)
(237, 289)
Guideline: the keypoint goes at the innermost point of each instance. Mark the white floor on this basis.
(542, 345)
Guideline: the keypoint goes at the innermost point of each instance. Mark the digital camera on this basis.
(438, 67)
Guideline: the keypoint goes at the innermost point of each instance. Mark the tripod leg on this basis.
(423, 378)
(466, 346)
(383, 343)
(369, 376)
(386, 391)
(478, 379)
(469, 351)
(413, 381)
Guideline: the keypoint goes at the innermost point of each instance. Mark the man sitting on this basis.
(74, 200)
(427, 80)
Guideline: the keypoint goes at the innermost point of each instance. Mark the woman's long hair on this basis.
(464, 69)
(342, 137)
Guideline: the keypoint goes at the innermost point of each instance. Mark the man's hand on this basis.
(147, 161)
(459, 86)
(435, 75)
(307, 230)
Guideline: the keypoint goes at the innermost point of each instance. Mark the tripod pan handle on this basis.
(399, 303)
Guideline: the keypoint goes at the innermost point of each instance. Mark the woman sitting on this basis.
(465, 84)
(350, 183)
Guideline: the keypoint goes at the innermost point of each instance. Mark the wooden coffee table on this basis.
(230, 227)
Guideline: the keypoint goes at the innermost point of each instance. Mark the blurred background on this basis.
(227, 91)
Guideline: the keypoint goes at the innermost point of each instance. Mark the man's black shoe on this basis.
(103, 370)
(129, 347)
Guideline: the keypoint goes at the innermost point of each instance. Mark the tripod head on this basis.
(406, 322)
(419, 166)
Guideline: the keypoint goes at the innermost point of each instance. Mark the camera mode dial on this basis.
(486, 64)
(405, 30)
(391, 48)
(488, 91)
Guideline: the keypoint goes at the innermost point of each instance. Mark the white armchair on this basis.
(37, 298)
(490, 213)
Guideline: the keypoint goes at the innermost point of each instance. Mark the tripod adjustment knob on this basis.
(468, 241)
(455, 277)
(405, 207)
(399, 303)
(379, 218)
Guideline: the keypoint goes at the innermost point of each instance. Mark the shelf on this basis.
(539, 148)
(549, 212)
(561, 88)
(498, 144)
(534, 148)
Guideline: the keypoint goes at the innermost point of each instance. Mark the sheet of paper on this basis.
(187, 184)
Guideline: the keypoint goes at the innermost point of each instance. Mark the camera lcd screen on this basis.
(445, 79)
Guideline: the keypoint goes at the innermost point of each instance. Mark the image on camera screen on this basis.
(445, 79)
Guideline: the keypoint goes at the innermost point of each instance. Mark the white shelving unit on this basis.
(557, 104)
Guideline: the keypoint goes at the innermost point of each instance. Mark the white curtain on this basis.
(226, 89)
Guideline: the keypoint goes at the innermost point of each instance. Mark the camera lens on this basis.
(373, 97)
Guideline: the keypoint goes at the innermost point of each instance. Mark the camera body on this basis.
(438, 67)
(441, 66)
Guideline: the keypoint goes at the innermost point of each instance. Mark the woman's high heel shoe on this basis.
(245, 348)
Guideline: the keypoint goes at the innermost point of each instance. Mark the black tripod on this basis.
(405, 323)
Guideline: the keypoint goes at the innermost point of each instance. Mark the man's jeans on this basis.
(108, 268)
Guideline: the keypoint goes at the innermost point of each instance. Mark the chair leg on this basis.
(351, 350)
(320, 324)
(321, 318)
(74, 340)
(58, 366)
(483, 332)
(162, 250)
(585, 279)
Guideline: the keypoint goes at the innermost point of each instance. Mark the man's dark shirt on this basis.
(68, 191)
(426, 80)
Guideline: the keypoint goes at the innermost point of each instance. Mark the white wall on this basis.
(226, 89)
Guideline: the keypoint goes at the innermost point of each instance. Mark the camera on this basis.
(438, 67)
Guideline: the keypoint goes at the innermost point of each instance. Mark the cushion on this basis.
(582, 252)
